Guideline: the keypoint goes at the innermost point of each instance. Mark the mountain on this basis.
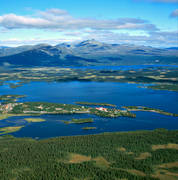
(85, 53)
(7, 51)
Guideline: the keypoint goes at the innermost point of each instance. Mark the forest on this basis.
(139, 155)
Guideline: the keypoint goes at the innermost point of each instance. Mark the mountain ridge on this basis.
(88, 52)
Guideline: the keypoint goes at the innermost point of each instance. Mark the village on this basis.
(5, 108)
(38, 108)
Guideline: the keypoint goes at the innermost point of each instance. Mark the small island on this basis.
(34, 120)
(143, 108)
(6, 130)
(10, 98)
(79, 121)
(89, 128)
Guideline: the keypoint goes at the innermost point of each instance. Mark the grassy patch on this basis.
(89, 128)
(165, 146)
(101, 162)
(169, 165)
(34, 119)
(122, 149)
(143, 156)
(136, 172)
(78, 158)
(6, 130)
(165, 175)
(4, 116)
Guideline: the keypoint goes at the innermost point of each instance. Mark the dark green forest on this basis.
(107, 156)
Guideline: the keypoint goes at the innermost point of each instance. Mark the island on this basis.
(89, 128)
(79, 121)
(10, 98)
(34, 119)
(148, 109)
(39, 108)
(6, 130)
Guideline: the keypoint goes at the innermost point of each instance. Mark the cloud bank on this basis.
(156, 39)
(69, 29)
(164, 38)
(60, 20)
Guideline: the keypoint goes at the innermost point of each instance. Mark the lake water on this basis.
(115, 93)
(128, 67)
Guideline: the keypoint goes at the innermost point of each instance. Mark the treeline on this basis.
(48, 159)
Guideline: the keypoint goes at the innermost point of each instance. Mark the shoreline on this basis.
(94, 134)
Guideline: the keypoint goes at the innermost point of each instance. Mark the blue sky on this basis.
(146, 22)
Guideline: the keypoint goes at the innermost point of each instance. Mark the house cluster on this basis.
(5, 108)
(102, 109)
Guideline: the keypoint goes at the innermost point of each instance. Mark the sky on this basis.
(140, 22)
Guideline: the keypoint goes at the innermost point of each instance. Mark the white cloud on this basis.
(66, 28)
(55, 11)
(56, 19)
(12, 21)
(152, 38)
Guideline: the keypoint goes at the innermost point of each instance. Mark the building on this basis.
(102, 109)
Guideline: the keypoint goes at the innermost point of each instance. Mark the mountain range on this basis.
(86, 53)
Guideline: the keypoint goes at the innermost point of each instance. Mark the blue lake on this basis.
(115, 93)
(128, 67)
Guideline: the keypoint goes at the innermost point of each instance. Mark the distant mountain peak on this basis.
(90, 42)
(42, 45)
(65, 45)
